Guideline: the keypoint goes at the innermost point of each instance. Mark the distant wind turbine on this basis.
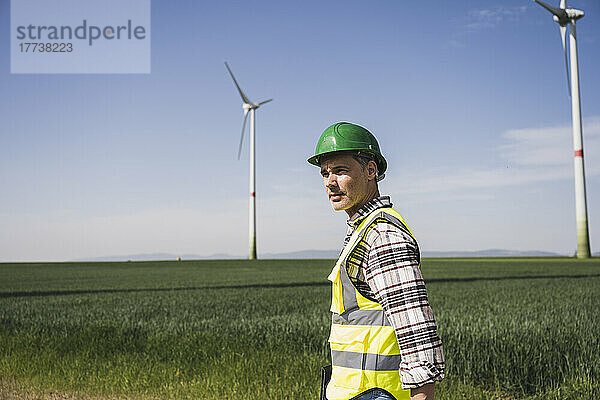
(250, 107)
(565, 16)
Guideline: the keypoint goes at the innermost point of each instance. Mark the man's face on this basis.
(346, 182)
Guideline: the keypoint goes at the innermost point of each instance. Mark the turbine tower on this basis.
(565, 16)
(249, 107)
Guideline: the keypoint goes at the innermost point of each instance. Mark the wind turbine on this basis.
(565, 16)
(249, 107)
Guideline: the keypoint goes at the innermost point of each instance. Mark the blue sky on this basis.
(468, 100)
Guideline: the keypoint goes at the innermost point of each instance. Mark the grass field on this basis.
(512, 328)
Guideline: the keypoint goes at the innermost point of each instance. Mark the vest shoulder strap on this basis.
(387, 213)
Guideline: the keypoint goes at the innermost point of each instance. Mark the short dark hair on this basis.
(363, 159)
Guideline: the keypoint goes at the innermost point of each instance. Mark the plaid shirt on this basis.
(389, 273)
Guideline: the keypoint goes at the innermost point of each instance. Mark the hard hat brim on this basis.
(379, 159)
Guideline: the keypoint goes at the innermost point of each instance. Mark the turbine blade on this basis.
(244, 98)
(263, 102)
(242, 137)
(563, 34)
(553, 10)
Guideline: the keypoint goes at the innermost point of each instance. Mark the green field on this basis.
(512, 328)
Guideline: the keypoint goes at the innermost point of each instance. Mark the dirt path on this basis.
(12, 392)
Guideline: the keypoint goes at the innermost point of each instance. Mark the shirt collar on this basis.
(371, 205)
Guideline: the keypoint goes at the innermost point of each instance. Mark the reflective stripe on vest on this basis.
(364, 349)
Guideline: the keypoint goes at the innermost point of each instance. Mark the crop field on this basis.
(512, 328)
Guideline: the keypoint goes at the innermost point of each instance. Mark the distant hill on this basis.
(304, 254)
(159, 257)
(479, 253)
(491, 253)
(322, 254)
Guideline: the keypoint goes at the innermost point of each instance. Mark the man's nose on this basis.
(331, 180)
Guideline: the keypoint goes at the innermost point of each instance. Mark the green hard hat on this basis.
(345, 136)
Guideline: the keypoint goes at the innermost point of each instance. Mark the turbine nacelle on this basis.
(253, 106)
(561, 14)
(574, 14)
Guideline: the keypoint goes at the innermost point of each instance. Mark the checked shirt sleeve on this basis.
(393, 274)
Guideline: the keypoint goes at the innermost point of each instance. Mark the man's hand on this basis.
(424, 392)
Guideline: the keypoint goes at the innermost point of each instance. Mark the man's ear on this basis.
(372, 169)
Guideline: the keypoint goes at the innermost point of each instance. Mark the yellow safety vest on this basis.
(364, 350)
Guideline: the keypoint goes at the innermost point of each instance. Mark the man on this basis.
(384, 342)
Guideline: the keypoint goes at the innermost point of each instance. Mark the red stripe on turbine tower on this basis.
(253, 194)
(578, 153)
